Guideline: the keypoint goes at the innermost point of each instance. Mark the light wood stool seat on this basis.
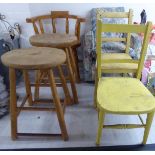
(37, 58)
(54, 40)
(61, 41)
(34, 58)
(65, 40)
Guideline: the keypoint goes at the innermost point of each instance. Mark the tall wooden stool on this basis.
(71, 39)
(61, 41)
(43, 59)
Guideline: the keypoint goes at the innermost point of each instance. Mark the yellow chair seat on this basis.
(118, 56)
(118, 67)
(124, 96)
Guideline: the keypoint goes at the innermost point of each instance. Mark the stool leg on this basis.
(13, 103)
(64, 85)
(36, 91)
(73, 64)
(28, 87)
(58, 106)
(76, 64)
(71, 77)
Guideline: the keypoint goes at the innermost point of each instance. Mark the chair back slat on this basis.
(60, 14)
(113, 39)
(39, 20)
(114, 14)
(35, 28)
(123, 28)
(41, 26)
(53, 25)
(126, 15)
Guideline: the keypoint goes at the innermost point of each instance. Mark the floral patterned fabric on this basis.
(89, 42)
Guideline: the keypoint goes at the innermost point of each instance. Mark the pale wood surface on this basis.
(34, 58)
(54, 40)
(39, 28)
(58, 106)
(13, 102)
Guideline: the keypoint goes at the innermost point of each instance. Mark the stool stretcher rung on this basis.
(38, 134)
(141, 119)
(44, 85)
(34, 109)
(124, 126)
(45, 100)
(22, 104)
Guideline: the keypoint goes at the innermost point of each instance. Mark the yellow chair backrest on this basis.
(126, 15)
(122, 28)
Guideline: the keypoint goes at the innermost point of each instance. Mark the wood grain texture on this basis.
(56, 40)
(13, 103)
(58, 106)
(34, 58)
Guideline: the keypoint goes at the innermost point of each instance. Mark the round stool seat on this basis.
(34, 58)
(54, 40)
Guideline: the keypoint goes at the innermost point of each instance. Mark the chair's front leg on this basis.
(13, 103)
(100, 126)
(148, 126)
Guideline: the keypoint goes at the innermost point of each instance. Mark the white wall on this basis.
(19, 12)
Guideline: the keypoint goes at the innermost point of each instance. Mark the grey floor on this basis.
(81, 121)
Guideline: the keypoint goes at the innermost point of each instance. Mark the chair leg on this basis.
(58, 106)
(71, 78)
(28, 87)
(95, 91)
(148, 126)
(100, 126)
(36, 91)
(76, 63)
(73, 63)
(13, 103)
(64, 85)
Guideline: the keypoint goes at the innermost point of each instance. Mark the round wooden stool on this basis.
(61, 41)
(37, 58)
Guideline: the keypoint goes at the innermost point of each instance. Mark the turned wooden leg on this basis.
(36, 90)
(58, 106)
(75, 56)
(64, 85)
(71, 77)
(13, 103)
(28, 87)
(73, 64)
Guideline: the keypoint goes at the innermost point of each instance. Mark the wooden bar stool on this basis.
(61, 41)
(37, 58)
(64, 40)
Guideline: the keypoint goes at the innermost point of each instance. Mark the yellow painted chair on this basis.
(116, 67)
(123, 95)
